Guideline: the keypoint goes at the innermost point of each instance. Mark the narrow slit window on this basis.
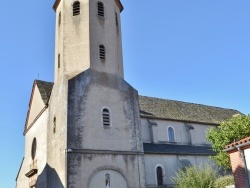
(58, 61)
(116, 20)
(54, 122)
(59, 19)
(33, 148)
(100, 7)
(102, 52)
(106, 117)
(76, 8)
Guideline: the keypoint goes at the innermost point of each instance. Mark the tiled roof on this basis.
(45, 89)
(177, 149)
(245, 141)
(182, 111)
(166, 109)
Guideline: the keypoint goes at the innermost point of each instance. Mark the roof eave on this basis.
(179, 120)
(241, 144)
(119, 4)
(57, 2)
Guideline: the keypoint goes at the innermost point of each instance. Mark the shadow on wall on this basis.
(49, 179)
(240, 177)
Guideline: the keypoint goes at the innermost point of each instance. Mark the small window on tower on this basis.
(106, 117)
(116, 20)
(58, 61)
(33, 149)
(59, 18)
(100, 9)
(54, 122)
(102, 52)
(76, 8)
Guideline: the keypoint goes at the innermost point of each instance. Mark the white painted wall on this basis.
(198, 134)
(38, 131)
(171, 164)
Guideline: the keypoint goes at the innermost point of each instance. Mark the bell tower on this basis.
(88, 36)
(96, 110)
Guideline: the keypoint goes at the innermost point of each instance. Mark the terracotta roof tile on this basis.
(242, 141)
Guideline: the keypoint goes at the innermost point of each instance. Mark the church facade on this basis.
(91, 129)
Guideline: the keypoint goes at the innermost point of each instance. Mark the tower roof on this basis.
(118, 2)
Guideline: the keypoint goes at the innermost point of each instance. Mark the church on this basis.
(91, 129)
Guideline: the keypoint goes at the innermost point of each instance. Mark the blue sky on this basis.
(194, 51)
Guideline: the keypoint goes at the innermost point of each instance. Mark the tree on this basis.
(230, 131)
(196, 177)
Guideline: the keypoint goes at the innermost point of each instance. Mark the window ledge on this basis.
(31, 173)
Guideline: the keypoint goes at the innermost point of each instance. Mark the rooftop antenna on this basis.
(38, 76)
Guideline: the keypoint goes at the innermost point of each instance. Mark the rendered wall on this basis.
(170, 164)
(116, 147)
(198, 134)
(38, 131)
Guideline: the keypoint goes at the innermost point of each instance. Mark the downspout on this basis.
(245, 164)
(66, 168)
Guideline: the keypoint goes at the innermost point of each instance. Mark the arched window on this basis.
(76, 8)
(102, 52)
(171, 134)
(106, 117)
(159, 175)
(100, 8)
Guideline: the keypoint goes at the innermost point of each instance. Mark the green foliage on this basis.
(230, 131)
(195, 177)
(224, 181)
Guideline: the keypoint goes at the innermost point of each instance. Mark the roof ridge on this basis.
(36, 80)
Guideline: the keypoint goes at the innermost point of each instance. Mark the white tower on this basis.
(97, 142)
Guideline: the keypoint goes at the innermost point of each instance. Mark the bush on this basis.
(224, 181)
(195, 177)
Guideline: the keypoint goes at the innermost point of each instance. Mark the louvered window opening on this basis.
(76, 8)
(100, 9)
(105, 118)
(102, 52)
